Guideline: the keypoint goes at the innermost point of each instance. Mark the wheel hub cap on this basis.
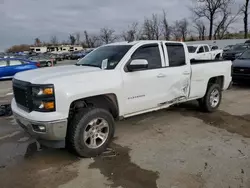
(96, 133)
(214, 98)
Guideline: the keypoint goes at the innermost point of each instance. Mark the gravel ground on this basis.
(175, 148)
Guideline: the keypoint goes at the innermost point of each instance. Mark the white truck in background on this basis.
(204, 52)
(76, 105)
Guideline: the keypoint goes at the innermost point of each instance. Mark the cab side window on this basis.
(150, 53)
(176, 54)
(201, 50)
(15, 62)
(3, 63)
(206, 48)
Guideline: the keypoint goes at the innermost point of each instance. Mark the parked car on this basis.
(10, 66)
(43, 60)
(226, 48)
(241, 68)
(235, 51)
(203, 51)
(247, 42)
(54, 57)
(77, 55)
(77, 104)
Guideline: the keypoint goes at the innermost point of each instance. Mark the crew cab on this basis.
(204, 51)
(76, 105)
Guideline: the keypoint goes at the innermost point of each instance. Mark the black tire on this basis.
(75, 133)
(205, 104)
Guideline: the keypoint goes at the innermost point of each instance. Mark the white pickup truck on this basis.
(76, 105)
(204, 52)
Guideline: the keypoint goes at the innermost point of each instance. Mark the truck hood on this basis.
(44, 75)
(241, 63)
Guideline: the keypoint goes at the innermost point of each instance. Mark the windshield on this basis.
(239, 47)
(192, 49)
(245, 55)
(111, 55)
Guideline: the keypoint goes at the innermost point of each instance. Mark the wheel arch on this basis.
(107, 101)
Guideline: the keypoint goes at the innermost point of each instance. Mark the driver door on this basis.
(144, 89)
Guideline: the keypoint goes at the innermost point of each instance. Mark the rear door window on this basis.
(15, 62)
(206, 48)
(176, 54)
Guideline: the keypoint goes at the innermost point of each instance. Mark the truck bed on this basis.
(203, 70)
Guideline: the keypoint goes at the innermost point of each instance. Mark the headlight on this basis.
(42, 90)
(43, 98)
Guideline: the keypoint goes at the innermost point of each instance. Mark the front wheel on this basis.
(90, 132)
(211, 101)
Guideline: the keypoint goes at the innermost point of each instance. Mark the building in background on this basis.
(56, 49)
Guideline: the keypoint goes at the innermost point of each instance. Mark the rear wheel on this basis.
(211, 101)
(90, 132)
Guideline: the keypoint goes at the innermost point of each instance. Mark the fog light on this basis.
(39, 128)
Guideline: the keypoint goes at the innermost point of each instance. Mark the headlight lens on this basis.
(43, 98)
(40, 91)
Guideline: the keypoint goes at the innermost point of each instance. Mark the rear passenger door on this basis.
(3, 65)
(178, 73)
(208, 53)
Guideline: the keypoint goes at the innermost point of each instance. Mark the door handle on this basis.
(186, 73)
(161, 75)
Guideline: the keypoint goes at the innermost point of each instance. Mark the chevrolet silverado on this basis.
(75, 106)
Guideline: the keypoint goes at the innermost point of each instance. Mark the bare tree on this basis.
(151, 28)
(209, 9)
(244, 10)
(131, 33)
(107, 35)
(53, 40)
(37, 42)
(180, 29)
(78, 36)
(183, 28)
(166, 30)
(72, 39)
(86, 38)
(175, 32)
(91, 41)
(201, 29)
(227, 18)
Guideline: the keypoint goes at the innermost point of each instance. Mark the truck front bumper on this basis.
(51, 130)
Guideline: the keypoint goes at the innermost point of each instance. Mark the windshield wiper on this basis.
(88, 65)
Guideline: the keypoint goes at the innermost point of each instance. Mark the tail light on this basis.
(38, 64)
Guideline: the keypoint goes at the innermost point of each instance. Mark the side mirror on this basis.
(137, 64)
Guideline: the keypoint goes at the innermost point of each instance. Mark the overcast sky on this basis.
(23, 20)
